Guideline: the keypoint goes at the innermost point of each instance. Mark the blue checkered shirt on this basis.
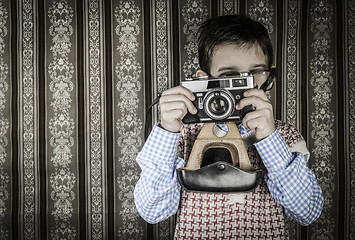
(290, 181)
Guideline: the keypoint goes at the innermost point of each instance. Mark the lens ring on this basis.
(226, 95)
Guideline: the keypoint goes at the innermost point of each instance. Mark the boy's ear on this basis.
(201, 73)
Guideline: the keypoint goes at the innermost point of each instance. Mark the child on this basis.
(229, 45)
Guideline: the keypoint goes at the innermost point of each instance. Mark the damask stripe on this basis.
(264, 12)
(96, 121)
(193, 13)
(161, 78)
(290, 77)
(291, 86)
(322, 106)
(61, 160)
(28, 156)
(128, 109)
(350, 107)
(162, 73)
(5, 166)
(228, 7)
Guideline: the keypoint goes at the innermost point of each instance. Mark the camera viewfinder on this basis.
(239, 82)
(218, 84)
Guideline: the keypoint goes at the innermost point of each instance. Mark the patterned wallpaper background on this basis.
(77, 76)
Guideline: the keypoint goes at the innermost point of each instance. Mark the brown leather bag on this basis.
(219, 164)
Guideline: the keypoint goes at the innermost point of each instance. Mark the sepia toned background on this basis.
(77, 76)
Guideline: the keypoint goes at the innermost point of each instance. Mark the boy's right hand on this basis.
(174, 104)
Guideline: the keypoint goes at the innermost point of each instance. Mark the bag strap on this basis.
(206, 138)
(148, 118)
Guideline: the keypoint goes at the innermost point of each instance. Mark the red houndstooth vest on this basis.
(255, 215)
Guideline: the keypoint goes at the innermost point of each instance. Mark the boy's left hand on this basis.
(262, 119)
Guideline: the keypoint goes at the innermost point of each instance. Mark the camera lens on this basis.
(219, 104)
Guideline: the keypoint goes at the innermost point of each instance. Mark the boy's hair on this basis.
(235, 29)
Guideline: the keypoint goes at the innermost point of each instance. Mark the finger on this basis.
(170, 106)
(173, 115)
(179, 90)
(177, 101)
(248, 117)
(263, 127)
(263, 115)
(171, 120)
(250, 124)
(256, 93)
(253, 100)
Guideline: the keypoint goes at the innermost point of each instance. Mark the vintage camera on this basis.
(216, 98)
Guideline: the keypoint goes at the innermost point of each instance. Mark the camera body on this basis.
(216, 98)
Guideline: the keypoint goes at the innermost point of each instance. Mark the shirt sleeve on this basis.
(290, 181)
(157, 192)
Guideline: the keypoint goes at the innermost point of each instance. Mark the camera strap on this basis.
(148, 117)
(270, 78)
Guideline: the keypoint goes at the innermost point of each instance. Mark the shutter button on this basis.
(221, 167)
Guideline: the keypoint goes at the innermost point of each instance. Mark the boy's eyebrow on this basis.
(225, 68)
(260, 65)
(234, 69)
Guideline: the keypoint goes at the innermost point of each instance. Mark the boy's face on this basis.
(229, 59)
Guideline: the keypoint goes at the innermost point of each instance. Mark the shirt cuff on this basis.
(160, 148)
(274, 152)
